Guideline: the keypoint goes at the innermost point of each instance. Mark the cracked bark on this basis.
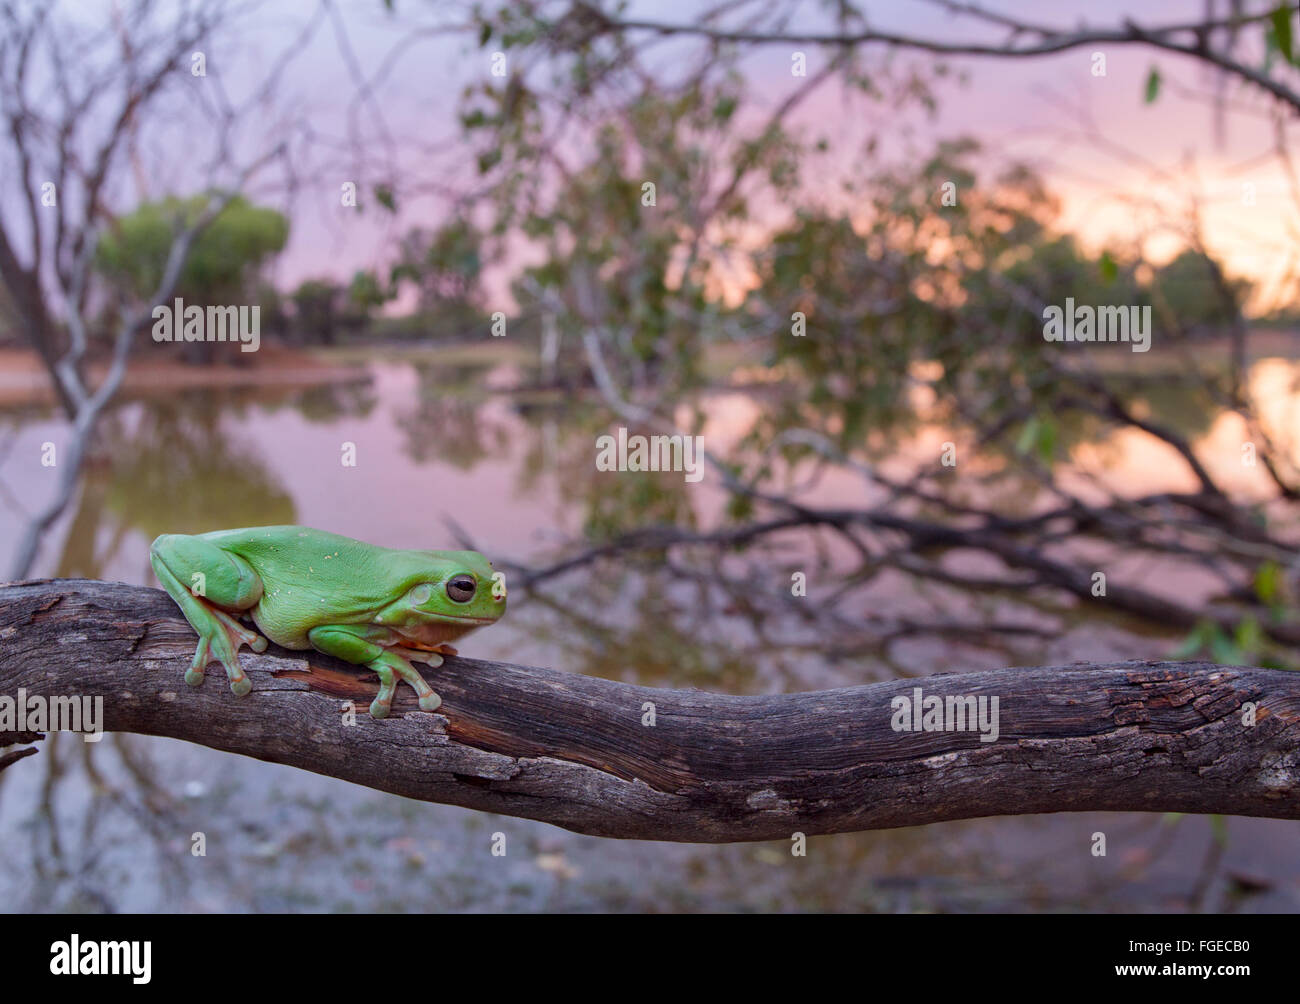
(571, 750)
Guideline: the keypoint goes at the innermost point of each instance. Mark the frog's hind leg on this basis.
(219, 582)
(238, 634)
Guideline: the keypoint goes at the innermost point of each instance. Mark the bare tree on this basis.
(77, 101)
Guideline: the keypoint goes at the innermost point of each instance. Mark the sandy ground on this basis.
(23, 379)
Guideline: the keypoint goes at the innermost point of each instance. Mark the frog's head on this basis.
(449, 594)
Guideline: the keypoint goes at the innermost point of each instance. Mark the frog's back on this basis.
(312, 577)
(277, 551)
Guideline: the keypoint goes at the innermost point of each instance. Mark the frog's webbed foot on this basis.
(220, 637)
(391, 666)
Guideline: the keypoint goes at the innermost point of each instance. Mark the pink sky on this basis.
(1026, 109)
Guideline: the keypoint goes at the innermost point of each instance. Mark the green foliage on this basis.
(889, 312)
(1280, 30)
(385, 196)
(366, 292)
(444, 265)
(1268, 582)
(1152, 86)
(1039, 436)
(1109, 269)
(222, 263)
(657, 499)
(611, 247)
(1246, 644)
(325, 309)
(1195, 295)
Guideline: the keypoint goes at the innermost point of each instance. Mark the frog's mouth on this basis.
(463, 619)
(443, 628)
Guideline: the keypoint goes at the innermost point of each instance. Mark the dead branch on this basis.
(572, 750)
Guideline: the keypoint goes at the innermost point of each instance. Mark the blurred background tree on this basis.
(224, 266)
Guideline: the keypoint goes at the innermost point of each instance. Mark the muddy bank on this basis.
(23, 379)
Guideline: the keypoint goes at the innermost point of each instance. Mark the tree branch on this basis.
(572, 750)
(1047, 41)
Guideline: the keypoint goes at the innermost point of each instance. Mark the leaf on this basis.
(1223, 651)
(740, 508)
(484, 34)
(1281, 18)
(724, 108)
(384, 196)
(1219, 827)
(1047, 442)
(1028, 436)
(1153, 85)
(1249, 636)
(1268, 582)
(1194, 641)
(1109, 269)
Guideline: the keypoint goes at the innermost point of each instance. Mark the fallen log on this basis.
(579, 752)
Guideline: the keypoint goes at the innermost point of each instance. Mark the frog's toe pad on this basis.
(194, 677)
(430, 702)
(378, 710)
(258, 644)
(241, 686)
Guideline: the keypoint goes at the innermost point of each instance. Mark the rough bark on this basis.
(571, 750)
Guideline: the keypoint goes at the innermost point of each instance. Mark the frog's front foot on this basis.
(391, 666)
(220, 639)
(383, 702)
(382, 705)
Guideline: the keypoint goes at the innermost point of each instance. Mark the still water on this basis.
(110, 826)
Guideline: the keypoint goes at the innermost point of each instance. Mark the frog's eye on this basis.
(461, 588)
(420, 594)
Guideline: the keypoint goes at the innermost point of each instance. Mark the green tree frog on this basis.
(308, 589)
